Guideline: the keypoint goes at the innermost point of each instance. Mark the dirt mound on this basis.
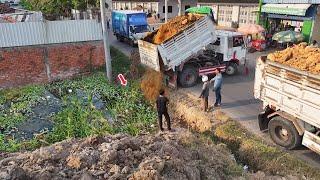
(174, 26)
(176, 155)
(300, 57)
(151, 83)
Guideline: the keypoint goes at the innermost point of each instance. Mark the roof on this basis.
(230, 1)
(286, 9)
(4, 9)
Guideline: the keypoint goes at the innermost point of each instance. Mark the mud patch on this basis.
(39, 121)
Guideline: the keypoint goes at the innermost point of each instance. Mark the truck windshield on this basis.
(141, 29)
(138, 19)
(238, 41)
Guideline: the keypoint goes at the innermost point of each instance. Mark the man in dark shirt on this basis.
(205, 92)
(162, 102)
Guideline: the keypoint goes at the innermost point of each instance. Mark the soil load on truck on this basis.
(173, 27)
(300, 57)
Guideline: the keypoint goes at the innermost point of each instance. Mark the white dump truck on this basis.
(291, 100)
(196, 51)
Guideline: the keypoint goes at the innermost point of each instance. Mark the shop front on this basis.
(301, 17)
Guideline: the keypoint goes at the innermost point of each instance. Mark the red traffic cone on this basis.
(246, 70)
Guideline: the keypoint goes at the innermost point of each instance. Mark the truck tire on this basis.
(232, 69)
(119, 38)
(131, 42)
(284, 133)
(188, 76)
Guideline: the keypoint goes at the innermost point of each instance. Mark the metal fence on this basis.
(49, 32)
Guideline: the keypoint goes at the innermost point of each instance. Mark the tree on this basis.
(55, 8)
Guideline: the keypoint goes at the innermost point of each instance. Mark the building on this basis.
(12, 15)
(154, 6)
(233, 13)
(299, 15)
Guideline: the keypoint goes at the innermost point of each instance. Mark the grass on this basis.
(79, 118)
(260, 156)
(120, 63)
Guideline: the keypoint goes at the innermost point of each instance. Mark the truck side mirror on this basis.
(132, 29)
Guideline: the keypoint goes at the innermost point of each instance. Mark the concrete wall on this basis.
(316, 30)
(235, 13)
(44, 63)
(175, 7)
(223, 18)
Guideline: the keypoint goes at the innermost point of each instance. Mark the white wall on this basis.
(49, 32)
(316, 30)
(175, 7)
(235, 13)
(247, 17)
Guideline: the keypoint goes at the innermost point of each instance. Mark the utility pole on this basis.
(166, 11)
(180, 6)
(105, 35)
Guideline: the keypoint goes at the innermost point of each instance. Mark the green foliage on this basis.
(79, 4)
(126, 104)
(77, 121)
(8, 145)
(120, 62)
(26, 4)
(78, 118)
(55, 8)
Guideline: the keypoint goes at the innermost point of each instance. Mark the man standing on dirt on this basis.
(162, 103)
(108, 24)
(205, 92)
(217, 86)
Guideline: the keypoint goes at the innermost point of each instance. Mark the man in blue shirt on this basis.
(217, 86)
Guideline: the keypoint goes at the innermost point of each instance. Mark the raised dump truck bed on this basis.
(172, 54)
(291, 99)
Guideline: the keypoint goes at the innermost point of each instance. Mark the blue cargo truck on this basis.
(129, 26)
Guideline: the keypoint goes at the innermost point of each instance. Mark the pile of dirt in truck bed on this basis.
(300, 57)
(171, 28)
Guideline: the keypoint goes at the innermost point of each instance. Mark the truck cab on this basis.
(129, 26)
(231, 48)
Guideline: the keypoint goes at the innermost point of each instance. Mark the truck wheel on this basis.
(188, 77)
(284, 133)
(131, 42)
(232, 69)
(118, 38)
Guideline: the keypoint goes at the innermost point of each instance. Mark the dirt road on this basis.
(238, 101)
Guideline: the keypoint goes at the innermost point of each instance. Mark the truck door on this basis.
(239, 49)
(229, 49)
(236, 49)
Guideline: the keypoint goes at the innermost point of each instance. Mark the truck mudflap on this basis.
(210, 69)
(170, 78)
(263, 121)
(311, 141)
